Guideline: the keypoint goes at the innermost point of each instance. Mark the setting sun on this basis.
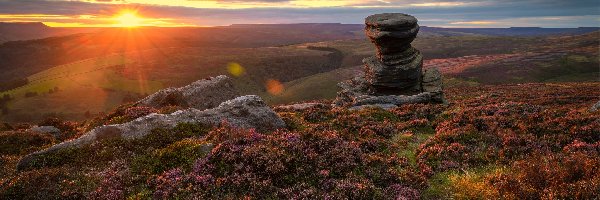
(128, 19)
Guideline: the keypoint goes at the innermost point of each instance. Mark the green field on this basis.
(99, 84)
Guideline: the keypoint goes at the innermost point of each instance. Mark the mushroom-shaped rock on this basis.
(395, 75)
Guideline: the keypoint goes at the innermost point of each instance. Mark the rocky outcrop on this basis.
(395, 75)
(396, 69)
(202, 94)
(432, 83)
(46, 129)
(595, 107)
(301, 106)
(242, 112)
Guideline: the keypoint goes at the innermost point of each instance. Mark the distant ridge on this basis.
(512, 31)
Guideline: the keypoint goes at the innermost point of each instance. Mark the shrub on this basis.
(101, 152)
(69, 130)
(287, 165)
(179, 154)
(23, 142)
(558, 176)
(48, 183)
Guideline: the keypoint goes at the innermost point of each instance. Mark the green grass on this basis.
(318, 86)
(462, 184)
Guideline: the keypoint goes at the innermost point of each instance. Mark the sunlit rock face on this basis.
(202, 94)
(396, 70)
(247, 112)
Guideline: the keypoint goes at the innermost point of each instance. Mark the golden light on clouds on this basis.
(123, 18)
(317, 3)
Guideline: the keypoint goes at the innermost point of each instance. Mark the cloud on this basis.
(474, 23)
(429, 12)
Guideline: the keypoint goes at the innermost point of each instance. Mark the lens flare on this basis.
(274, 87)
(235, 69)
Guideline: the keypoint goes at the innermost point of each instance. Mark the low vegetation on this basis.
(533, 141)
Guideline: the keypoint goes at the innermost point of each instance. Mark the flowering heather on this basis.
(529, 141)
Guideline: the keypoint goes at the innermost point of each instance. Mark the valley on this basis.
(59, 77)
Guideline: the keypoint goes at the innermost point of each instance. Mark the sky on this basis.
(439, 13)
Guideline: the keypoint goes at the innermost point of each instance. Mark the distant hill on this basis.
(513, 31)
(15, 31)
(73, 74)
(23, 31)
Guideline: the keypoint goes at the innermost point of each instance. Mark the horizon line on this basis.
(301, 23)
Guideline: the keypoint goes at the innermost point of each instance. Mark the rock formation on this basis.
(46, 129)
(202, 94)
(395, 75)
(241, 112)
(595, 107)
(301, 106)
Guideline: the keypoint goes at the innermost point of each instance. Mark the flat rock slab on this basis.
(301, 106)
(397, 100)
(242, 112)
(382, 106)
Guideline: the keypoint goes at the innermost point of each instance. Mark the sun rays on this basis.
(128, 19)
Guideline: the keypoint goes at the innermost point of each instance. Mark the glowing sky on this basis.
(444, 13)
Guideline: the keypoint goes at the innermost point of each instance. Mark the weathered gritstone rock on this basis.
(46, 129)
(301, 106)
(242, 112)
(202, 94)
(392, 33)
(400, 79)
(595, 107)
(395, 75)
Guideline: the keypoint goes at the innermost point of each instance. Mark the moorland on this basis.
(517, 123)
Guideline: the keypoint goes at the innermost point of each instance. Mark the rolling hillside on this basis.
(81, 75)
(525, 60)
(84, 88)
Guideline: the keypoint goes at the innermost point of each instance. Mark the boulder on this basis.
(432, 80)
(46, 129)
(202, 94)
(432, 83)
(242, 112)
(595, 107)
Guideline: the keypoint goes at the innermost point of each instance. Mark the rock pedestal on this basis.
(396, 70)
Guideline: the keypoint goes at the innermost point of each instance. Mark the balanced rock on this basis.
(202, 94)
(395, 75)
(396, 69)
(242, 112)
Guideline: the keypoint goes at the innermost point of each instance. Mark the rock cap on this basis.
(385, 20)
